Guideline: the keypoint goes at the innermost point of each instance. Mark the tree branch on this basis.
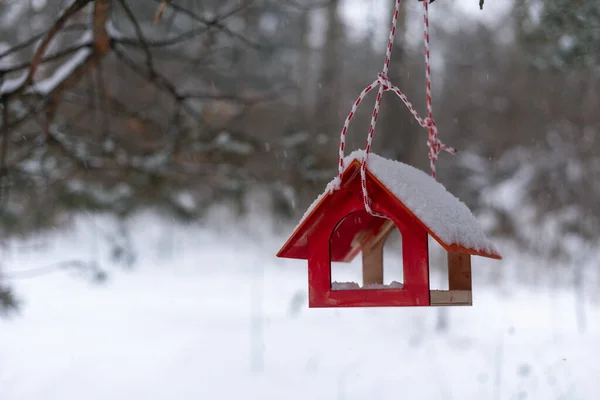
(160, 11)
(139, 34)
(39, 54)
(35, 38)
(51, 57)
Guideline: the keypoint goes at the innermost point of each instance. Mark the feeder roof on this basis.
(444, 216)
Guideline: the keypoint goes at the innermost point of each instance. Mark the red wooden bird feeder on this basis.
(372, 195)
(337, 227)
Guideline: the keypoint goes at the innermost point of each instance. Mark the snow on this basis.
(209, 315)
(225, 141)
(444, 214)
(9, 85)
(113, 31)
(391, 285)
(6, 57)
(47, 85)
(345, 285)
(12, 11)
(354, 285)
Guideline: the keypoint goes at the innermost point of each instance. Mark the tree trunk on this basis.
(327, 116)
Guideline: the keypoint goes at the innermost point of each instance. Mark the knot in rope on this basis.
(430, 124)
(434, 144)
(385, 83)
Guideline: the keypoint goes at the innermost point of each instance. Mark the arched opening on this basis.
(358, 257)
(393, 271)
(345, 250)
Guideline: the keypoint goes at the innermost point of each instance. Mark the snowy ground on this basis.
(216, 315)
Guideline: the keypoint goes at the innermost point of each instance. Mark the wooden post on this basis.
(459, 282)
(459, 271)
(372, 257)
(372, 268)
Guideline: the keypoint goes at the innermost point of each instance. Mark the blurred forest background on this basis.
(122, 105)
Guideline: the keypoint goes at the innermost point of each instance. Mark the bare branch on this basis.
(35, 38)
(216, 22)
(51, 57)
(102, 10)
(191, 34)
(139, 34)
(39, 54)
(160, 11)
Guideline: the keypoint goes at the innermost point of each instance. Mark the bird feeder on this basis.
(337, 228)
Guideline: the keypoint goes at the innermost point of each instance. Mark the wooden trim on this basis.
(450, 298)
(372, 257)
(459, 271)
(372, 268)
(387, 228)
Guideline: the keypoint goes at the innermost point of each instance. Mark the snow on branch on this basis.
(137, 113)
(38, 57)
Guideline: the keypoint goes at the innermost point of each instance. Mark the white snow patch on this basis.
(444, 214)
(225, 141)
(345, 285)
(47, 85)
(11, 12)
(355, 286)
(510, 194)
(113, 31)
(10, 85)
(391, 285)
(186, 200)
(38, 5)
(6, 59)
(203, 310)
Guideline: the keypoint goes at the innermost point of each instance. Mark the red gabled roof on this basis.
(359, 229)
(346, 247)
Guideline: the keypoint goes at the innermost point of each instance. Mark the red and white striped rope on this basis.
(382, 88)
(434, 144)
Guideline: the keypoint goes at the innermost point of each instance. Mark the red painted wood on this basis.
(354, 232)
(414, 243)
(368, 298)
(347, 203)
(319, 258)
(319, 269)
(339, 227)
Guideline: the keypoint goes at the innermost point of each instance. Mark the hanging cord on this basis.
(434, 144)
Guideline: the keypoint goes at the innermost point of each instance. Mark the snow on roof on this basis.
(443, 214)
